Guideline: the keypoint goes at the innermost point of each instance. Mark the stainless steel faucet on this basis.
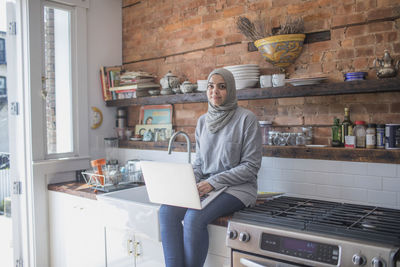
(172, 139)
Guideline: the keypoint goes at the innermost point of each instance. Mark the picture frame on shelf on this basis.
(154, 132)
(155, 114)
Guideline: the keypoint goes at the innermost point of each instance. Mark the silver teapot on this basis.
(169, 81)
(386, 67)
(188, 87)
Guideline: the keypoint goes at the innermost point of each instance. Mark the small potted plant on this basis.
(280, 49)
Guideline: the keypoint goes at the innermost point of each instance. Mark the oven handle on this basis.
(250, 263)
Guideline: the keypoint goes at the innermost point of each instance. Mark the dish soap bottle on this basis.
(336, 133)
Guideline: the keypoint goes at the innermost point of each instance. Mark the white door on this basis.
(18, 148)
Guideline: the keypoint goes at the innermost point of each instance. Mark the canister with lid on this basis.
(360, 134)
(371, 135)
(265, 128)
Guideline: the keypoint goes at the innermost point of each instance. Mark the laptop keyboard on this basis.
(203, 197)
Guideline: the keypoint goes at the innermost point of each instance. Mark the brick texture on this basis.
(192, 37)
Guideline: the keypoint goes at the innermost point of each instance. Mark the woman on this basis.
(228, 153)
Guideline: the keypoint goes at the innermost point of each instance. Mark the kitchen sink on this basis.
(131, 208)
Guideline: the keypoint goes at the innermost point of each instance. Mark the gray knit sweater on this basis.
(230, 157)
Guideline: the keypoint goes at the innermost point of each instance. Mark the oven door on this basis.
(240, 259)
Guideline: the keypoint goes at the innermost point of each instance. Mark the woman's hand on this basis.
(204, 187)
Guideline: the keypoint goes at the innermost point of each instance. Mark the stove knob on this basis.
(232, 234)
(378, 262)
(244, 237)
(359, 260)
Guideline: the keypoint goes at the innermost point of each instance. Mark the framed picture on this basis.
(154, 132)
(156, 114)
(3, 85)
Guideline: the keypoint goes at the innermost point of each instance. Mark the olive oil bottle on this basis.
(336, 133)
(347, 125)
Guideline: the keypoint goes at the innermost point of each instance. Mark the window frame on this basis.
(78, 82)
(3, 58)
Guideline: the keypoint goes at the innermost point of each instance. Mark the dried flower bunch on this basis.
(256, 31)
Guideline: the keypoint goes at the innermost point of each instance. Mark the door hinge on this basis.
(12, 28)
(14, 108)
(19, 263)
(17, 188)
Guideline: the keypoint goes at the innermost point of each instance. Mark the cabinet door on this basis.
(120, 247)
(149, 252)
(76, 232)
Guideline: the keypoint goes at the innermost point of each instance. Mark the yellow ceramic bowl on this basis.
(281, 50)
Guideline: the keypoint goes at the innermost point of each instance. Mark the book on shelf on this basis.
(109, 75)
(138, 86)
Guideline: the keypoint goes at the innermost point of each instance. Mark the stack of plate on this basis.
(354, 76)
(305, 81)
(246, 76)
(201, 85)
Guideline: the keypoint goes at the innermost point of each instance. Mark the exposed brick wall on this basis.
(191, 38)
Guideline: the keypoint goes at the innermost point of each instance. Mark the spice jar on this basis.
(360, 132)
(371, 135)
(380, 136)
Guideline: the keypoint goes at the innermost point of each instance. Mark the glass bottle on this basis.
(336, 133)
(347, 125)
(371, 135)
(360, 132)
(265, 128)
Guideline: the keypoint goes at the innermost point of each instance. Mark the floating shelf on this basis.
(323, 153)
(323, 89)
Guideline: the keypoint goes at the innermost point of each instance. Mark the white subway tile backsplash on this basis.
(358, 182)
(343, 180)
(284, 163)
(368, 182)
(295, 188)
(391, 184)
(385, 198)
(267, 162)
(381, 169)
(360, 168)
(328, 191)
(356, 195)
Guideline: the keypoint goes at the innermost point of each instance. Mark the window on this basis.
(2, 51)
(58, 80)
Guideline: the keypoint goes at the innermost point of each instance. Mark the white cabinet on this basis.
(76, 232)
(89, 233)
(126, 248)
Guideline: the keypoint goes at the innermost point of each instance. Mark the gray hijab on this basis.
(218, 116)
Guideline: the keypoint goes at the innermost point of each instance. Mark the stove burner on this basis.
(348, 220)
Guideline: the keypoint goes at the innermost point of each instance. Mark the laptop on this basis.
(174, 184)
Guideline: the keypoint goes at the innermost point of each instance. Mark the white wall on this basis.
(352, 182)
(104, 49)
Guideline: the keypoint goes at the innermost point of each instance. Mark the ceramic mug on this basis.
(265, 81)
(278, 80)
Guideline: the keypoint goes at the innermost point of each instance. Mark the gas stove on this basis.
(289, 231)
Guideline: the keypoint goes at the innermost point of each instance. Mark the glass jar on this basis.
(360, 132)
(291, 139)
(265, 128)
(371, 135)
(280, 139)
(271, 137)
(111, 148)
(300, 139)
(308, 134)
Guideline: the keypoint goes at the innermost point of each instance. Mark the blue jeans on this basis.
(187, 244)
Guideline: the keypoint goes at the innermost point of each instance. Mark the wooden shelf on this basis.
(323, 89)
(323, 153)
